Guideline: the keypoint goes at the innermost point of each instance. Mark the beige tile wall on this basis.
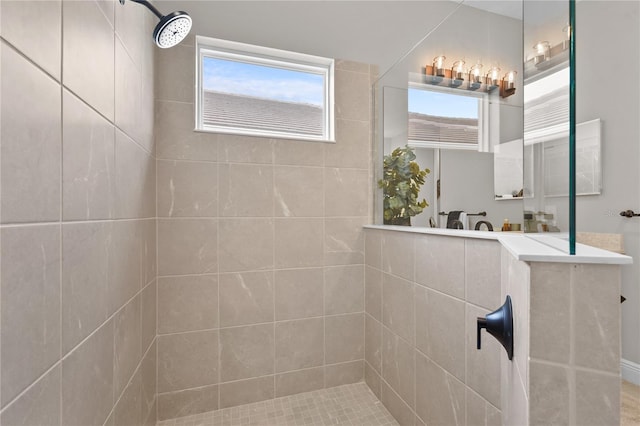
(422, 296)
(260, 251)
(77, 231)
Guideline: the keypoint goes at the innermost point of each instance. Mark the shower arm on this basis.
(148, 5)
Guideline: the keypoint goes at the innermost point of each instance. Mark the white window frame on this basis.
(264, 56)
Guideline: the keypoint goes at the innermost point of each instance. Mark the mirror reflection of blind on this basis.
(547, 111)
(431, 128)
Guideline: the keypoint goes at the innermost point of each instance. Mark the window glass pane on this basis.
(442, 117)
(254, 96)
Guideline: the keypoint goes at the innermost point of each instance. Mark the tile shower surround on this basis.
(77, 219)
(423, 293)
(422, 296)
(260, 251)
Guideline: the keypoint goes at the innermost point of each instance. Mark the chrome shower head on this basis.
(171, 29)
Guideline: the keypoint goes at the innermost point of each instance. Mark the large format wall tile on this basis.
(85, 279)
(135, 179)
(299, 344)
(174, 80)
(344, 289)
(483, 373)
(346, 192)
(245, 244)
(187, 402)
(246, 391)
(596, 290)
(440, 398)
(187, 246)
(127, 344)
(398, 365)
(128, 409)
(440, 330)
(299, 381)
(92, 80)
(40, 405)
(344, 339)
(128, 91)
(550, 295)
(373, 343)
(187, 360)
(246, 298)
(293, 197)
(298, 243)
(353, 137)
(33, 27)
(187, 303)
(343, 373)
(245, 150)
(246, 190)
(187, 189)
(246, 352)
(287, 268)
(398, 306)
(482, 272)
(298, 293)
(30, 155)
(30, 305)
(88, 162)
(174, 135)
(398, 256)
(344, 241)
(87, 380)
(441, 265)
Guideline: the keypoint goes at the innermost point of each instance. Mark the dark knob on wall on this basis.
(499, 324)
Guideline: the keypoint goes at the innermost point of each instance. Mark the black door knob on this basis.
(499, 324)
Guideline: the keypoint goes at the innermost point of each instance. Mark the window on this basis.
(440, 118)
(253, 90)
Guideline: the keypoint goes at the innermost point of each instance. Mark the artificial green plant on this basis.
(401, 182)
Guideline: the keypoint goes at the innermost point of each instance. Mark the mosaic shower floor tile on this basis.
(353, 404)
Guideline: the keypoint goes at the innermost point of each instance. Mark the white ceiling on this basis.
(510, 8)
(371, 31)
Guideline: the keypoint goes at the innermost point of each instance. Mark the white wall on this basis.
(607, 32)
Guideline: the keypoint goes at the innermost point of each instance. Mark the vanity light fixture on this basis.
(475, 77)
(508, 84)
(567, 32)
(542, 49)
(457, 73)
(438, 74)
(438, 66)
(493, 79)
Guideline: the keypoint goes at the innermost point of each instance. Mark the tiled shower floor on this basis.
(343, 405)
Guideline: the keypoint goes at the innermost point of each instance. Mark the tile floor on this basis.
(353, 404)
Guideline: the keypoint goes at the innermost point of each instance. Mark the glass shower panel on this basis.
(456, 100)
(549, 185)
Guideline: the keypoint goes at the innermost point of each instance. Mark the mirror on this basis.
(453, 118)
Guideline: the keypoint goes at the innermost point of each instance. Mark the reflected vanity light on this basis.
(508, 85)
(542, 49)
(567, 32)
(438, 66)
(457, 73)
(437, 73)
(475, 77)
(493, 79)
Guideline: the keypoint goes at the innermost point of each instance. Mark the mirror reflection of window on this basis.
(439, 119)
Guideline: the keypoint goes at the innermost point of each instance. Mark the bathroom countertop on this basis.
(526, 247)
